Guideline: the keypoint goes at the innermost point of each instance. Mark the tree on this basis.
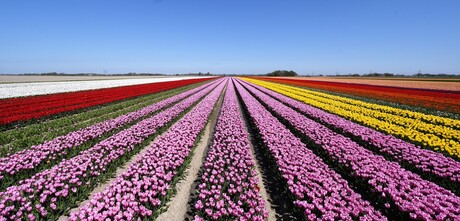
(282, 73)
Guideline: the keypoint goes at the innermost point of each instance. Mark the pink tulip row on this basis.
(229, 186)
(47, 193)
(139, 191)
(319, 191)
(29, 159)
(427, 161)
(400, 189)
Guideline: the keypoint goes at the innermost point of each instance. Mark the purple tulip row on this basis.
(47, 193)
(427, 161)
(399, 189)
(319, 191)
(229, 186)
(36, 155)
(139, 191)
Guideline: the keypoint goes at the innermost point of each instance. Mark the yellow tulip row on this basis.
(400, 119)
(418, 130)
(432, 119)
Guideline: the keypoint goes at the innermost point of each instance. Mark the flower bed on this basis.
(441, 168)
(435, 99)
(229, 188)
(26, 162)
(319, 192)
(144, 187)
(400, 190)
(433, 132)
(27, 108)
(47, 194)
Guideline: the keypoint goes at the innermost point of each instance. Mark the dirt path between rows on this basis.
(120, 170)
(178, 205)
(263, 191)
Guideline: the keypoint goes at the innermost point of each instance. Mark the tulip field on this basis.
(230, 148)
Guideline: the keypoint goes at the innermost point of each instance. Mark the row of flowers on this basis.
(27, 108)
(228, 189)
(427, 122)
(23, 89)
(427, 161)
(398, 188)
(26, 162)
(20, 138)
(431, 99)
(429, 118)
(319, 191)
(143, 188)
(431, 135)
(49, 193)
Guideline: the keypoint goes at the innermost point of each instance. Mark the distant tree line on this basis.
(199, 74)
(274, 73)
(441, 75)
(282, 73)
(436, 75)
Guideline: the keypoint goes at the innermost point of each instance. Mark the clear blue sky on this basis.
(230, 36)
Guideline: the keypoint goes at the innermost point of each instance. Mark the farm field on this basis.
(230, 148)
(26, 108)
(451, 84)
(15, 89)
(435, 100)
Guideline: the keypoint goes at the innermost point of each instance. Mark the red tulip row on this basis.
(27, 108)
(22, 164)
(433, 99)
(49, 193)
